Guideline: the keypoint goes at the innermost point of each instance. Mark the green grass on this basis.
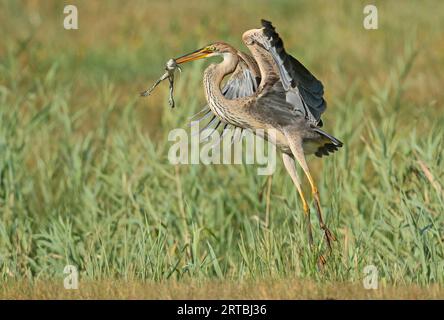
(84, 174)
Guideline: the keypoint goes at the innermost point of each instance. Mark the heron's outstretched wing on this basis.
(296, 79)
(276, 104)
(243, 82)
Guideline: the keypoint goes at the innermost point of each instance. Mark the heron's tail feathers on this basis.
(329, 144)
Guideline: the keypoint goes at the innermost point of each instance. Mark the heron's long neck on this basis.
(212, 79)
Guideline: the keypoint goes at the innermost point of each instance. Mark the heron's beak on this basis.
(198, 54)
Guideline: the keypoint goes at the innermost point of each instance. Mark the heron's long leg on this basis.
(291, 169)
(296, 148)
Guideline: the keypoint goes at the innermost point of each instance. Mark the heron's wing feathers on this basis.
(279, 105)
(251, 64)
(243, 82)
(293, 74)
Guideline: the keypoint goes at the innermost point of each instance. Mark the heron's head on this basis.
(215, 49)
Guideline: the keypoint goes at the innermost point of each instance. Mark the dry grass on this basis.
(268, 289)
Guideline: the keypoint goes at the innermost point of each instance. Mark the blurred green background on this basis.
(84, 175)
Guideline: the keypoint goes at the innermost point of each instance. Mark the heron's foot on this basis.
(329, 236)
(322, 261)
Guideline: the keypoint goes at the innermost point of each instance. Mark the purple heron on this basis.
(270, 90)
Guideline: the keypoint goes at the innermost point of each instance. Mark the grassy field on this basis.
(85, 179)
(215, 289)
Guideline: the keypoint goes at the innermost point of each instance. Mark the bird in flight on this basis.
(269, 90)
